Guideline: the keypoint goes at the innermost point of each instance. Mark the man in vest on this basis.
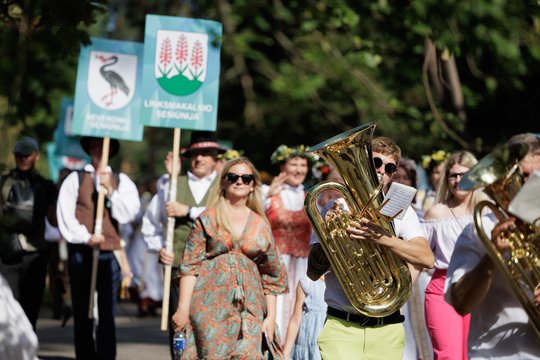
(76, 211)
(26, 199)
(191, 197)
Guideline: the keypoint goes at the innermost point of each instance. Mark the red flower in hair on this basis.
(325, 169)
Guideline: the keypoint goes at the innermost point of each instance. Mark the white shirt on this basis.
(17, 338)
(155, 217)
(292, 196)
(499, 327)
(125, 205)
(200, 186)
(52, 233)
(407, 229)
(442, 235)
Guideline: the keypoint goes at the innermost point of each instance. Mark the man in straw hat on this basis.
(76, 212)
(192, 195)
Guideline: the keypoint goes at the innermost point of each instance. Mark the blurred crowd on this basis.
(249, 275)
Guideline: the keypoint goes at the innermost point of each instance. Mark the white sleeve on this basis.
(70, 228)
(125, 202)
(162, 184)
(52, 234)
(409, 227)
(196, 211)
(152, 226)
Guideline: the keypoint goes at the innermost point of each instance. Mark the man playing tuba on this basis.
(500, 327)
(347, 333)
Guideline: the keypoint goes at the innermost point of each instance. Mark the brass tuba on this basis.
(375, 280)
(501, 178)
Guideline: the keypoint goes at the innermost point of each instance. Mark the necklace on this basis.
(452, 211)
(454, 215)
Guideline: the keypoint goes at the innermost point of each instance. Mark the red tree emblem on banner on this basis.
(180, 61)
(165, 57)
(181, 53)
(197, 59)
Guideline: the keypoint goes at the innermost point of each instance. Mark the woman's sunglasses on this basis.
(246, 178)
(389, 168)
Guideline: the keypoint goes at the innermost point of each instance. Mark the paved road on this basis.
(137, 338)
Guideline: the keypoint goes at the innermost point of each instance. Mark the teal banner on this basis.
(59, 162)
(181, 72)
(107, 94)
(67, 144)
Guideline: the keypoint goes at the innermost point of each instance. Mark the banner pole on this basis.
(170, 232)
(98, 226)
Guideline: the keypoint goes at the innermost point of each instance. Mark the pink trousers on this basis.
(447, 329)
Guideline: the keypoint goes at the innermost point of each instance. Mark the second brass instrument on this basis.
(375, 280)
(501, 178)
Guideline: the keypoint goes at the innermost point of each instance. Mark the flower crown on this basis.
(320, 169)
(283, 153)
(437, 157)
(230, 154)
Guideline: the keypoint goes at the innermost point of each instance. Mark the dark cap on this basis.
(26, 145)
(203, 140)
(114, 145)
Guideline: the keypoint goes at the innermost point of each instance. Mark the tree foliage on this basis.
(432, 74)
(39, 47)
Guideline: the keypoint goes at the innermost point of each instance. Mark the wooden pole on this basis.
(170, 232)
(98, 227)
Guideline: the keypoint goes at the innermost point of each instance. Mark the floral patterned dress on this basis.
(228, 304)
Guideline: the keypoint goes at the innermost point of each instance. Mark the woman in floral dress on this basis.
(230, 273)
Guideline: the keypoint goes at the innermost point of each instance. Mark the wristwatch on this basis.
(188, 211)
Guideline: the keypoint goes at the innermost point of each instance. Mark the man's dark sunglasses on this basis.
(246, 178)
(388, 168)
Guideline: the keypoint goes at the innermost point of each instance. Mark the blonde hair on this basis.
(217, 195)
(463, 158)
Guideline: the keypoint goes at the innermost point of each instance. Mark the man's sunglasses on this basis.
(389, 168)
(246, 178)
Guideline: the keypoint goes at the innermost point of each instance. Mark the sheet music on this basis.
(400, 197)
(526, 204)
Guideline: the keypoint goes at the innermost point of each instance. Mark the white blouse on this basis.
(442, 235)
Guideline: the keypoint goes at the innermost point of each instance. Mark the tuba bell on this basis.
(375, 280)
(501, 178)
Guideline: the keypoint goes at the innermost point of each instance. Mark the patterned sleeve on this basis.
(195, 251)
(272, 270)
